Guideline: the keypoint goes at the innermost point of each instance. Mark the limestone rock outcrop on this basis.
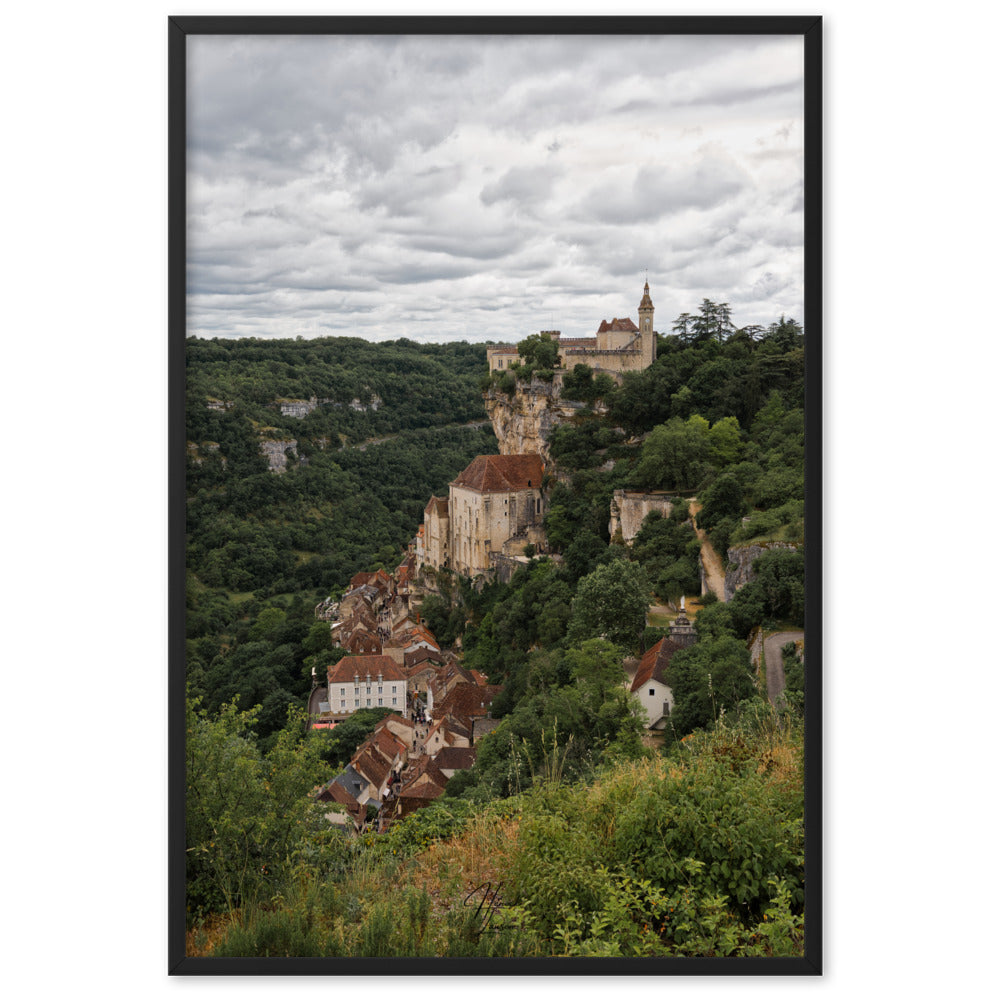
(523, 422)
(277, 452)
(739, 570)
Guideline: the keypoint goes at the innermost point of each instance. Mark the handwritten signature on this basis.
(488, 902)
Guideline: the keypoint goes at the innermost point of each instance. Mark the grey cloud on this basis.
(390, 187)
(522, 185)
(655, 192)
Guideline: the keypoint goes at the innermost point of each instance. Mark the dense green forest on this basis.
(264, 548)
(718, 420)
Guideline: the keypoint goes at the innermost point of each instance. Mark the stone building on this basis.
(494, 506)
(366, 682)
(618, 345)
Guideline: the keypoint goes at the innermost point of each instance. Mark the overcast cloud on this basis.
(444, 188)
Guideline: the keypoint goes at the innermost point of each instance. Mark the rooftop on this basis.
(500, 473)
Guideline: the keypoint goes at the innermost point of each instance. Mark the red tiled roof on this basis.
(421, 654)
(335, 792)
(618, 326)
(654, 663)
(371, 766)
(394, 718)
(467, 700)
(361, 665)
(425, 782)
(363, 643)
(500, 473)
(387, 743)
(459, 758)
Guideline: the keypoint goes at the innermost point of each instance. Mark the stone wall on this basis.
(629, 510)
(739, 569)
(622, 360)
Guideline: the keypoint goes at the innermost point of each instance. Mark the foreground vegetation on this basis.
(700, 852)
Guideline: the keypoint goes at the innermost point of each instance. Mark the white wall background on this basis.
(909, 369)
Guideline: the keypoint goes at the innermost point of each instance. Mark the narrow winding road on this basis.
(772, 661)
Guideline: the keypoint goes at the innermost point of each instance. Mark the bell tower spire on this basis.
(646, 332)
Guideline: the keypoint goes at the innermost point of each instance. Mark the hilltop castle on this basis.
(618, 346)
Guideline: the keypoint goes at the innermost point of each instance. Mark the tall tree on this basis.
(611, 603)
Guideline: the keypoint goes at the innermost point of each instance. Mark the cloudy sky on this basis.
(483, 188)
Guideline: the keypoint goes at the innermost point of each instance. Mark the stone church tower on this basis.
(646, 333)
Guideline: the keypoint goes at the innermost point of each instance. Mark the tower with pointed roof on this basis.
(646, 333)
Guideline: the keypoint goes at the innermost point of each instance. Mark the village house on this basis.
(617, 346)
(422, 786)
(350, 812)
(452, 759)
(650, 682)
(366, 682)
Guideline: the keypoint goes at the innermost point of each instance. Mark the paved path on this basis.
(715, 573)
(772, 661)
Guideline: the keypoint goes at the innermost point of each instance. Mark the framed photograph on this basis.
(495, 515)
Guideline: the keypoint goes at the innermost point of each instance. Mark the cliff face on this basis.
(524, 421)
(739, 570)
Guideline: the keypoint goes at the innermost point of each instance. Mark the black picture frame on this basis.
(179, 29)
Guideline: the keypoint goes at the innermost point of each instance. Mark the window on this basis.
(368, 690)
(368, 702)
(380, 701)
(652, 692)
(394, 689)
(394, 701)
(342, 691)
(343, 704)
(357, 702)
(380, 689)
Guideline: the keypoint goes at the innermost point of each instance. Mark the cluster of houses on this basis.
(439, 710)
(406, 763)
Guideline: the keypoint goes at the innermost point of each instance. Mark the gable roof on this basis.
(396, 719)
(345, 670)
(618, 326)
(387, 743)
(438, 506)
(371, 766)
(501, 473)
(654, 663)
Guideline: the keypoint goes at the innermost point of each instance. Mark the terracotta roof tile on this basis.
(618, 326)
(363, 665)
(469, 700)
(654, 663)
(459, 758)
(500, 473)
